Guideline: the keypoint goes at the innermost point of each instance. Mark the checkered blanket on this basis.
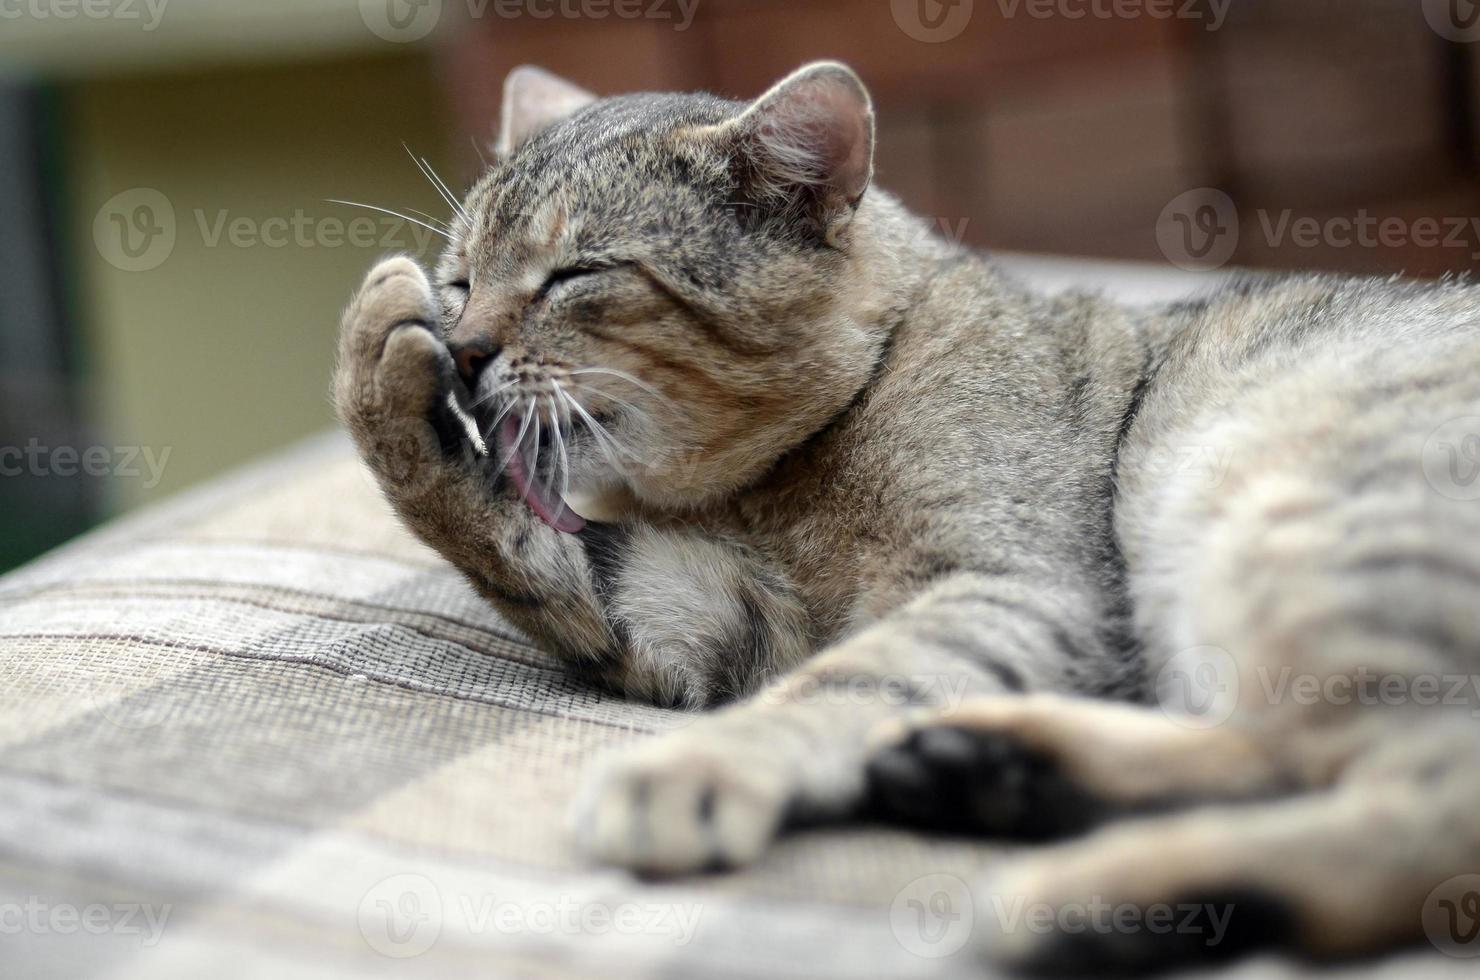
(262, 732)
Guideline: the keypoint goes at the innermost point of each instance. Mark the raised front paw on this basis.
(394, 376)
(686, 802)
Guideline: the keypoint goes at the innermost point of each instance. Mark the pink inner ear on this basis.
(818, 130)
(848, 142)
(534, 100)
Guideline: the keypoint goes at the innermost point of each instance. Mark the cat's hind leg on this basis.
(1048, 766)
(1354, 869)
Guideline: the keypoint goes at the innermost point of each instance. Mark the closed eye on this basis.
(566, 275)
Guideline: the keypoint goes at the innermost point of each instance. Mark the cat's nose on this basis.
(470, 359)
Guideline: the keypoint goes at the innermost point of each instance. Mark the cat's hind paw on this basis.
(967, 780)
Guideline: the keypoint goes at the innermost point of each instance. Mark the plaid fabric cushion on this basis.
(263, 732)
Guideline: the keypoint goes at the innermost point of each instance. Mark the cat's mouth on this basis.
(541, 496)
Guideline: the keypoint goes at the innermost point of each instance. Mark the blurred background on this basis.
(171, 273)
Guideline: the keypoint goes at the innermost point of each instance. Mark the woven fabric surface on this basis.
(261, 731)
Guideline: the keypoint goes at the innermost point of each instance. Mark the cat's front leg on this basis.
(717, 792)
(668, 614)
(392, 389)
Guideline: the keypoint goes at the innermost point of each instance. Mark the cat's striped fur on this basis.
(880, 478)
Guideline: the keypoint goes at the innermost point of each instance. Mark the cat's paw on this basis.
(977, 779)
(1047, 766)
(394, 374)
(681, 804)
(1120, 905)
(390, 360)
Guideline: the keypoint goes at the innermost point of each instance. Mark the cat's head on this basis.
(667, 286)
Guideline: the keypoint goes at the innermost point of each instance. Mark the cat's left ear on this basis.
(535, 100)
(807, 145)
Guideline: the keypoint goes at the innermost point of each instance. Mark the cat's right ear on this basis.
(535, 100)
(805, 148)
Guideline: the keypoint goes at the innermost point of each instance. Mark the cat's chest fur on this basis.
(990, 417)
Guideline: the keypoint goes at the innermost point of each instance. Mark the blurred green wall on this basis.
(219, 348)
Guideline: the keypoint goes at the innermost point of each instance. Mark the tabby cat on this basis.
(915, 526)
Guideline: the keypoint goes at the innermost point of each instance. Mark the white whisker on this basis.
(601, 433)
(496, 392)
(518, 439)
(624, 376)
(436, 183)
(493, 429)
(432, 218)
(616, 464)
(636, 409)
(456, 202)
(560, 463)
(534, 467)
(562, 422)
(394, 214)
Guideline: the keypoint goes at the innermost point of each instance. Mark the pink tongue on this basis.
(546, 503)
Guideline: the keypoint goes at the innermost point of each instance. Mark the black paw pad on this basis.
(977, 782)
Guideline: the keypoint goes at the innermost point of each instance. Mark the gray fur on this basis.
(878, 475)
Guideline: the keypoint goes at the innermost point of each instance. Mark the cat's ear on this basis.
(807, 145)
(534, 100)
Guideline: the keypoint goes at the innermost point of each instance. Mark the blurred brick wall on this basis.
(1072, 135)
